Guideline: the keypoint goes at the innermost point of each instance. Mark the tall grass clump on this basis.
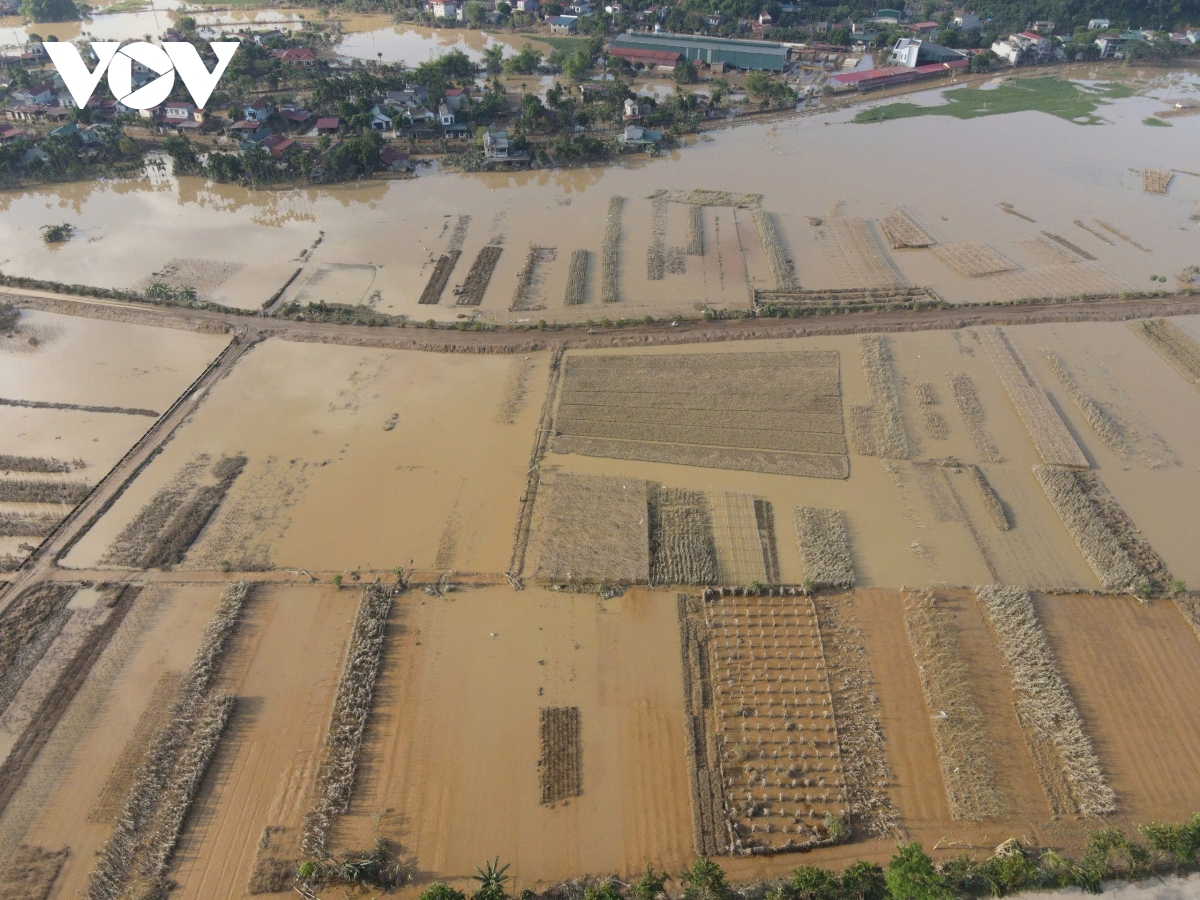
(1044, 701)
(824, 543)
(135, 858)
(783, 271)
(348, 721)
(1106, 427)
(610, 252)
(890, 439)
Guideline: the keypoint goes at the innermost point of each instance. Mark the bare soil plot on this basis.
(772, 719)
(1084, 279)
(481, 667)
(973, 259)
(744, 549)
(857, 256)
(1155, 181)
(590, 528)
(347, 284)
(204, 275)
(901, 230)
(1135, 674)
(670, 407)
(353, 460)
(283, 665)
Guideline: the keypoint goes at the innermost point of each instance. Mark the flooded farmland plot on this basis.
(581, 600)
(1037, 182)
(353, 459)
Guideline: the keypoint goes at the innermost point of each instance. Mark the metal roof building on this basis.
(740, 54)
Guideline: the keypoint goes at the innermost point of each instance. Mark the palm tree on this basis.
(491, 880)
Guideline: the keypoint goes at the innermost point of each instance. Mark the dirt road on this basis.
(523, 340)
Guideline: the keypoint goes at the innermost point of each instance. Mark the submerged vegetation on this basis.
(1066, 99)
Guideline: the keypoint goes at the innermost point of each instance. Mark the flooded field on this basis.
(357, 459)
(1060, 205)
(80, 392)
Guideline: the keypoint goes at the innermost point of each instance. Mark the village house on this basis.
(445, 116)
(562, 24)
(635, 137)
(453, 98)
(528, 6)
(296, 56)
(35, 95)
(380, 120)
(393, 160)
(259, 111)
(278, 144)
(496, 145)
(443, 9)
(328, 124)
(967, 21)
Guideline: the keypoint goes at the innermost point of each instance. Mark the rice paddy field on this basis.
(585, 609)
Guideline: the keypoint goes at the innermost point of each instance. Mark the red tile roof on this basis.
(329, 122)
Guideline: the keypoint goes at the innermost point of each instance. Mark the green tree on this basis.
(685, 72)
(814, 883)
(49, 11)
(705, 880)
(493, 59)
(911, 875)
(862, 880)
(606, 891)
(525, 62)
(651, 885)
(473, 13)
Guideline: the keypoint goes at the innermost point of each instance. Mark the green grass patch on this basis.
(122, 6)
(1074, 102)
(1157, 123)
(566, 44)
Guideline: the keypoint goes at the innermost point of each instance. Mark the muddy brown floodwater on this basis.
(952, 176)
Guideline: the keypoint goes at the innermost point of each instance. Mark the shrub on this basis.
(440, 891)
(911, 875)
(650, 885)
(814, 883)
(705, 880)
(862, 880)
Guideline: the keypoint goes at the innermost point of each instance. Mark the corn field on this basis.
(1103, 423)
(902, 231)
(783, 271)
(35, 490)
(824, 543)
(135, 858)
(1173, 344)
(560, 768)
(610, 261)
(656, 263)
(42, 464)
(1050, 434)
(479, 276)
(991, 501)
(1155, 181)
(927, 399)
(1109, 541)
(705, 197)
(958, 727)
(889, 439)
(577, 279)
(1044, 703)
(348, 719)
(695, 230)
(31, 525)
(682, 546)
(971, 410)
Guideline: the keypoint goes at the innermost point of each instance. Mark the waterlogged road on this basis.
(504, 339)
